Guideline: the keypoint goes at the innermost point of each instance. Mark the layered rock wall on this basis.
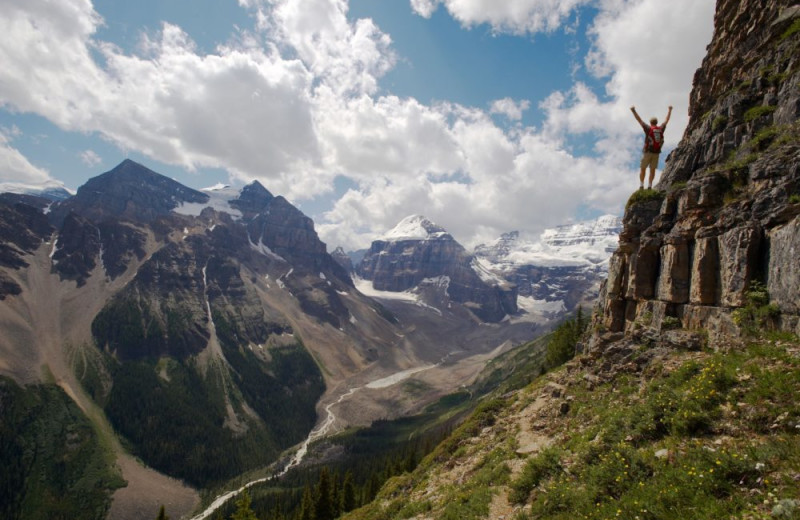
(725, 213)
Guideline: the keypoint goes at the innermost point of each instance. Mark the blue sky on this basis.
(486, 116)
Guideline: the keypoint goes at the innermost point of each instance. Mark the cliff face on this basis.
(725, 213)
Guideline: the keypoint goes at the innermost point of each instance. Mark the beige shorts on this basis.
(649, 159)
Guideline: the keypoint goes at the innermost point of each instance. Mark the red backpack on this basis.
(655, 139)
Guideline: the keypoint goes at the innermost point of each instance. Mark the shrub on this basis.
(756, 112)
(546, 464)
(763, 138)
(757, 314)
(640, 196)
(670, 322)
(793, 29)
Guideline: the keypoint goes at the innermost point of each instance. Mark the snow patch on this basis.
(365, 287)
(482, 268)
(414, 227)
(534, 306)
(584, 244)
(264, 250)
(219, 195)
(53, 250)
(440, 282)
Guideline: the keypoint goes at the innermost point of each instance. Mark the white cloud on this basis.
(424, 8)
(90, 158)
(648, 64)
(348, 57)
(508, 107)
(245, 109)
(364, 137)
(517, 17)
(15, 167)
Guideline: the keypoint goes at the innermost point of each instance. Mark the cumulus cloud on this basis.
(90, 158)
(517, 17)
(245, 109)
(646, 64)
(508, 107)
(14, 166)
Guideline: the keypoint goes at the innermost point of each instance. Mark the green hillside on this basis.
(646, 433)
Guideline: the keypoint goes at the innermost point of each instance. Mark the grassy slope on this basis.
(665, 435)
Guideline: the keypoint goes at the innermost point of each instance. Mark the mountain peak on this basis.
(129, 190)
(415, 227)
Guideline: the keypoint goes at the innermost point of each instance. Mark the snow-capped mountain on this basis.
(415, 227)
(50, 190)
(419, 256)
(560, 270)
(585, 243)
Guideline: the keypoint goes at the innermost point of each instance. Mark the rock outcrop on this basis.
(726, 213)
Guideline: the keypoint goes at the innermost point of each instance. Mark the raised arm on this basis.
(669, 113)
(633, 109)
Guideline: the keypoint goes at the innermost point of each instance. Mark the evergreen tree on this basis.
(162, 515)
(324, 504)
(372, 488)
(348, 493)
(336, 495)
(307, 505)
(562, 343)
(243, 509)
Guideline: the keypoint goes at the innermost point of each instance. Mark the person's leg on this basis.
(652, 174)
(642, 168)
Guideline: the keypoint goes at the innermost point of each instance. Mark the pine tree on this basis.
(336, 495)
(324, 505)
(348, 493)
(307, 505)
(162, 515)
(243, 509)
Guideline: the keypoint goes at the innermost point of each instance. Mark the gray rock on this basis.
(783, 278)
(738, 260)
